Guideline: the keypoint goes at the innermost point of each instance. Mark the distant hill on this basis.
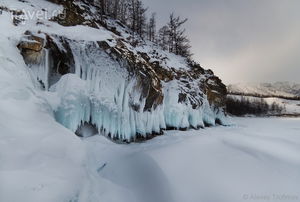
(280, 98)
(278, 89)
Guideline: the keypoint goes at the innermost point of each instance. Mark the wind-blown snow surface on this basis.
(257, 159)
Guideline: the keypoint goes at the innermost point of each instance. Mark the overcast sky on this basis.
(241, 40)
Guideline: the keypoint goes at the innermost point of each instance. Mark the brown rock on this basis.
(31, 42)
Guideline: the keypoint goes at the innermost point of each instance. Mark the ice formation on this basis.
(40, 71)
(105, 90)
(102, 92)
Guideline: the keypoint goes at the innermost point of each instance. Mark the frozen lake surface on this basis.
(255, 159)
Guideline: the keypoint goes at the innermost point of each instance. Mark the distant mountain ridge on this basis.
(278, 89)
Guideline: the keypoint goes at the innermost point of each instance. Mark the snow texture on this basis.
(255, 157)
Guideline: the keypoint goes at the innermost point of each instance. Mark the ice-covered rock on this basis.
(128, 91)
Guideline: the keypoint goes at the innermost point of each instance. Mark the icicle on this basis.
(40, 71)
(46, 66)
(101, 93)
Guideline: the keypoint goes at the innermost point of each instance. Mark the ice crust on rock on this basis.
(102, 92)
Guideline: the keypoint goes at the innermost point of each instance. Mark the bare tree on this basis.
(141, 19)
(115, 8)
(163, 37)
(178, 41)
(132, 13)
(151, 29)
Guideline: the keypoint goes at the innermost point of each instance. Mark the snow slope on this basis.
(40, 159)
(255, 158)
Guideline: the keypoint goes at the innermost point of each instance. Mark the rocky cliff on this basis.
(127, 88)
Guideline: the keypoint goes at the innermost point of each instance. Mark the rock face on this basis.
(31, 48)
(31, 42)
(128, 89)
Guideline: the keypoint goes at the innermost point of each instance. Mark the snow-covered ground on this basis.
(256, 159)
